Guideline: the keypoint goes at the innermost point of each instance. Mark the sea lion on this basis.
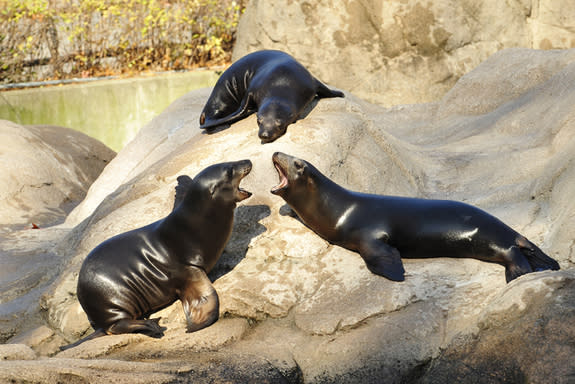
(270, 82)
(385, 228)
(132, 275)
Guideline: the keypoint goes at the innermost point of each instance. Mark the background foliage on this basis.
(54, 39)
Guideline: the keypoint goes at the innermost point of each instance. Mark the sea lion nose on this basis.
(264, 135)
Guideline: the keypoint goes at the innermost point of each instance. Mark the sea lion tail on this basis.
(536, 258)
(97, 333)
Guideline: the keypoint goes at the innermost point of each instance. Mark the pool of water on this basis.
(111, 111)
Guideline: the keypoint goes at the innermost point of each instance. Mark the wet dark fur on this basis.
(383, 229)
(270, 82)
(132, 275)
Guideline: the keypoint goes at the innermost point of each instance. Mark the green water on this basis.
(111, 111)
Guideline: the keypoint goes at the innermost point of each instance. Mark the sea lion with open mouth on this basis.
(132, 275)
(385, 228)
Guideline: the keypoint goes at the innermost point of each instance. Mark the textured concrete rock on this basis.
(296, 308)
(46, 171)
(16, 352)
(398, 52)
(525, 335)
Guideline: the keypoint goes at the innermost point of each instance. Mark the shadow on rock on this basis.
(285, 210)
(246, 227)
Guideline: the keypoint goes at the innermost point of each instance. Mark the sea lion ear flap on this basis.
(184, 184)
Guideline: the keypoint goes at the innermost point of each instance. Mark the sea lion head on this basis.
(222, 181)
(296, 177)
(273, 119)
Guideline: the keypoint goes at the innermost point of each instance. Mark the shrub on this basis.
(41, 39)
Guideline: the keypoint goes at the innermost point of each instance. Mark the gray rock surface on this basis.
(400, 52)
(45, 172)
(297, 309)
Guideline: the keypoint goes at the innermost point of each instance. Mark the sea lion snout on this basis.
(270, 129)
(290, 170)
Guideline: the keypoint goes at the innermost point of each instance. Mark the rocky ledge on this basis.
(297, 309)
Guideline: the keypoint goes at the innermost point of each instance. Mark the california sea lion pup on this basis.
(270, 82)
(385, 228)
(132, 275)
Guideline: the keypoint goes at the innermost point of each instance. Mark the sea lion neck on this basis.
(316, 207)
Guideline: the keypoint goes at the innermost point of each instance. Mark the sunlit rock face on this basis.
(45, 172)
(401, 52)
(297, 309)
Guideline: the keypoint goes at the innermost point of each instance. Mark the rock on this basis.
(46, 172)
(210, 368)
(297, 309)
(401, 52)
(525, 334)
(16, 352)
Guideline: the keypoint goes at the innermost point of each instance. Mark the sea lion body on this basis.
(270, 82)
(385, 228)
(134, 274)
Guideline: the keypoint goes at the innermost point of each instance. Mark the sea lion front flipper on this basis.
(199, 300)
(382, 259)
(244, 110)
(184, 183)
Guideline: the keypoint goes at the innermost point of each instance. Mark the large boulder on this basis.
(294, 307)
(45, 172)
(399, 52)
(525, 335)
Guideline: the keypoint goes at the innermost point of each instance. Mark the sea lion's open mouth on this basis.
(241, 193)
(283, 183)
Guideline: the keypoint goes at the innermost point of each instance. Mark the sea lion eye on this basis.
(299, 166)
(230, 173)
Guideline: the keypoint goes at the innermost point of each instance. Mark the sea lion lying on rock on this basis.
(270, 82)
(132, 275)
(385, 228)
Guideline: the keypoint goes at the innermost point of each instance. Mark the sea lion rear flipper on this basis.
(536, 258)
(93, 335)
(323, 91)
(199, 300)
(382, 259)
(244, 110)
